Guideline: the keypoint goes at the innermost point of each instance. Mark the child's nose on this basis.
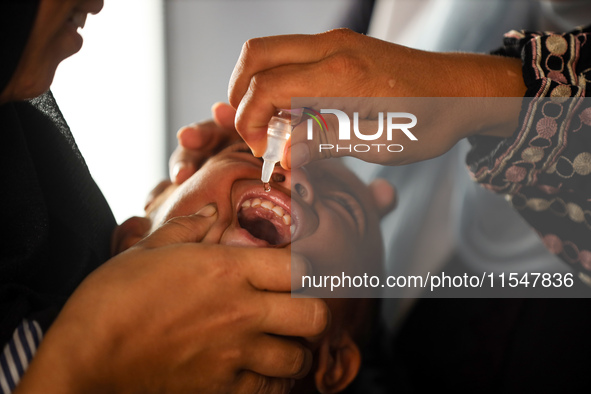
(296, 180)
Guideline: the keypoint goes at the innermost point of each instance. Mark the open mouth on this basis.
(265, 220)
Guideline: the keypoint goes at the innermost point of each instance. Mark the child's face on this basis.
(328, 206)
(324, 213)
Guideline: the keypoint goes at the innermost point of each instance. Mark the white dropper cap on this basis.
(278, 132)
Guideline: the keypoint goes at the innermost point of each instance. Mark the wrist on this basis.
(64, 364)
(497, 86)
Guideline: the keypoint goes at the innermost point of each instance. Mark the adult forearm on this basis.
(341, 63)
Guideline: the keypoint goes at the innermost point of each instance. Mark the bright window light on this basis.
(112, 95)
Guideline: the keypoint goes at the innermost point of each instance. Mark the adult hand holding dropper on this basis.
(340, 63)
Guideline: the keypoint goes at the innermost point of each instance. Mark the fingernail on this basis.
(176, 170)
(300, 155)
(178, 166)
(207, 211)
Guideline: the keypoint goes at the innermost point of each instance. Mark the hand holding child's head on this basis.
(322, 212)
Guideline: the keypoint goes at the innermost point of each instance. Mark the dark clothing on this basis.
(56, 223)
(494, 346)
(358, 16)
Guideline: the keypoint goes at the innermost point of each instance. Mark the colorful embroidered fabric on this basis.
(545, 168)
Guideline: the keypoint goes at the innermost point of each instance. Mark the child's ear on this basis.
(129, 233)
(338, 363)
(383, 195)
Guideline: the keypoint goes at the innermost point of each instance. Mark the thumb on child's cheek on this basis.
(183, 229)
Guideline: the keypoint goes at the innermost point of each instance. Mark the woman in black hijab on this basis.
(143, 321)
(57, 224)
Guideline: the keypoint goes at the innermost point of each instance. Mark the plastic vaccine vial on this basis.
(278, 132)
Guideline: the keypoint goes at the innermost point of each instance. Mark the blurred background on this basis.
(149, 67)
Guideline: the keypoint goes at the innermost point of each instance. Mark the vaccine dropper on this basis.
(278, 132)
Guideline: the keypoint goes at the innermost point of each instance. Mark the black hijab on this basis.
(16, 22)
(56, 224)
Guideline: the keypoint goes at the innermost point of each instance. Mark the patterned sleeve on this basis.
(545, 167)
(18, 353)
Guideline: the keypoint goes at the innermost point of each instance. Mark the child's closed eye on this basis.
(350, 206)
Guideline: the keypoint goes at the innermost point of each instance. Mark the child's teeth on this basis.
(266, 204)
(292, 229)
